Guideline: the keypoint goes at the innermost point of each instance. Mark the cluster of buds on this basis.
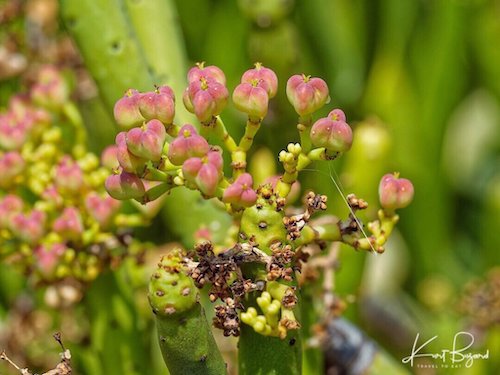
(56, 219)
(155, 155)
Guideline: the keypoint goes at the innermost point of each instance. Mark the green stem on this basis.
(304, 127)
(251, 128)
(221, 132)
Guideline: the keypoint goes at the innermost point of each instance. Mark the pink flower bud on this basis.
(13, 134)
(109, 157)
(205, 98)
(47, 256)
(126, 110)
(147, 141)
(251, 99)
(264, 77)
(69, 223)
(200, 71)
(50, 194)
(395, 192)
(125, 186)
(128, 161)
(158, 104)
(68, 176)
(29, 228)
(11, 165)
(9, 205)
(332, 132)
(204, 172)
(240, 192)
(188, 144)
(51, 89)
(306, 94)
(101, 208)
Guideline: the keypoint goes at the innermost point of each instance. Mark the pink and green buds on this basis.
(29, 228)
(109, 157)
(262, 77)
(188, 144)
(47, 257)
(395, 192)
(147, 141)
(206, 98)
(158, 104)
(126, 111)
(128, 161)
(125, 186)
(101, 208)
(306, 94)
(9, 205)
(11, 165)
(200, 71)
(332, 132)
(69, 224)
(240, 192)
(69, 176)
(204, 172)
(51, 89)
(251, 99)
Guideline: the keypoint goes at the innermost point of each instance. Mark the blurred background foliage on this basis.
(419, 81)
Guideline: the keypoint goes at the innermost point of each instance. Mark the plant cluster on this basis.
(254, 273)
(56, 219)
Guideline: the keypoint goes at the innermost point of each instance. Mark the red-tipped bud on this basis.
(9, 206)
(204, 172)
(128, 161)
(101, 208)
(306, 94)
(200, 71)
(332, 132)
(125, 186)
(29, 228)
(69, 176)
(251, 99)
(158, 104)
(264, 77)
(147, 141)
(47, 256)
(240, 192)
(51, 89)
(205, 98)
(126, 110)
(69, 224)
(395, 192)
(188, 144)
(13, 134)
(11, 165)
(109, 157)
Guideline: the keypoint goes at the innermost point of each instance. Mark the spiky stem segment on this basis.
(185, 337)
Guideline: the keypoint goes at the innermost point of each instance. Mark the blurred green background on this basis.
(419, 81)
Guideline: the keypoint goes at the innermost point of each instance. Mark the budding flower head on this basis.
(158, 104)
(69, 223)
(51, 89)
(126, 110)
(125, 186)
(11, 165)
(47, 256)
(29, 227)
(188, 144)
(200, 71)
(204, 172)
(306, 94)
(205, 98)
(101, 208)
(68, 176)
(13, 133)
(251, 99)
(332, 132)
(395, 192)
(9, 205)
(128, 161)
(240, 192)
(109, 157)
(262, 77)
(147, 141)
